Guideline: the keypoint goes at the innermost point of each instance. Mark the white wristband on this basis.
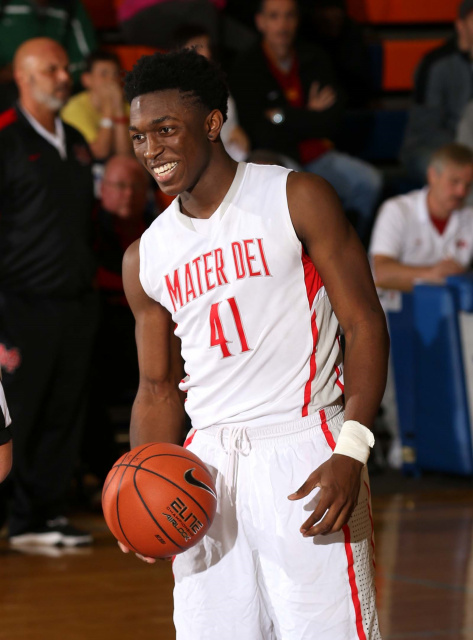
(106, 123)
(355, 441)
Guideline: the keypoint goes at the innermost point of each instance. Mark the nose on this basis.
(154, 147)
(63, 75)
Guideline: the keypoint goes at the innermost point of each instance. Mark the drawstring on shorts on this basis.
(238, 443)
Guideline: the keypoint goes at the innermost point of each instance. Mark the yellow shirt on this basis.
(80, 113)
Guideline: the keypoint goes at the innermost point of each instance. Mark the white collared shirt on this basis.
(403, 230)
(57, 139)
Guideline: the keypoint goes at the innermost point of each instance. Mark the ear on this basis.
(259, 22)
(432, 174)
(85, 79)
(214, 124)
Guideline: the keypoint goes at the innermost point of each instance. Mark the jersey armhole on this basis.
(292, 235)
(143, 267)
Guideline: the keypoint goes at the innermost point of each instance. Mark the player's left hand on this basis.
(339, 481)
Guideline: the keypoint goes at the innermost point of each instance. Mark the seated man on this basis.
(100, 112)
(427, 234)
(443, 87)
(287, 102)
(123, 216)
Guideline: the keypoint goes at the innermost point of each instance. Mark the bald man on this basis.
(48, 309)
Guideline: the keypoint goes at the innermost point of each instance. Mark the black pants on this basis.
(47, 396)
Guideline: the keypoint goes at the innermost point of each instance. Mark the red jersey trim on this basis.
(313, 284)
(326, 431)
(7, 118)
(189, 438)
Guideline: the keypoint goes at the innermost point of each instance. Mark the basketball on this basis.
(159, 499)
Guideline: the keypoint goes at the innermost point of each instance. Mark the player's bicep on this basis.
(334, 248)
(155, 341)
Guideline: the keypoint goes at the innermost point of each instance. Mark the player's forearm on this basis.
(365, 368)
(394, 275)
(157, 416)
(102, 146)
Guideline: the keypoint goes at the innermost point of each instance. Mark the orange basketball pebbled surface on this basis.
(159, 499)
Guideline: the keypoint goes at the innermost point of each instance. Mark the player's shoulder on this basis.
(305, 185)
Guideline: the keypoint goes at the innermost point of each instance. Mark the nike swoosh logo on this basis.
(189, 478)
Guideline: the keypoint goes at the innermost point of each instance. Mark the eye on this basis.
(165, 130)
(138, 137)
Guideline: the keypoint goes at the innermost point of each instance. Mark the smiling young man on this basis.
(246, 274)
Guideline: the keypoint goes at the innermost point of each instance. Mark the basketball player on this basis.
(250, 269)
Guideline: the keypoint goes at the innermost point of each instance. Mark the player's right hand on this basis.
(144, 558)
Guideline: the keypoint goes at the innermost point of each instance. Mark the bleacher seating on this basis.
(403, 11)
(130, 54)
(400, 59)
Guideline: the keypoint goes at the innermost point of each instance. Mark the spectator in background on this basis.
(47, 304)
(288, 102)
(65, 22)
(427, 234)
(442, 90)
(330, 26)
(123, 216)
(234, 138)
(5, 437)
(100, 112)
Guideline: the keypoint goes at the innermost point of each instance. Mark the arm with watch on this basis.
(112, 136)
(267, 116)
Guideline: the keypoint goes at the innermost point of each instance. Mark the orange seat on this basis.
(102, 13)
(402, 11)
(130, 54)
(400, 59)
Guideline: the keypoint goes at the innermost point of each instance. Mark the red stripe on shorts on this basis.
(327, 433)
(354, 589)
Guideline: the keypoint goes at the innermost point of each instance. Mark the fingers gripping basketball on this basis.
(159, 499)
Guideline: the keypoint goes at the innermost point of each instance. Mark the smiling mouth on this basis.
(165, 169)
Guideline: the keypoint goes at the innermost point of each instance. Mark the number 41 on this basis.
(217, 335)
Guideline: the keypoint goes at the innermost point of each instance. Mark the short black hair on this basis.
(101, 55)
(190, 73)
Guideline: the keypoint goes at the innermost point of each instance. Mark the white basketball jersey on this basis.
(259, 337)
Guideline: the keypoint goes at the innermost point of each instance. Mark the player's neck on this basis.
(42, 114)
(207, 195)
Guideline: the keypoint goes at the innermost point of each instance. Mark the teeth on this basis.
(166, 168)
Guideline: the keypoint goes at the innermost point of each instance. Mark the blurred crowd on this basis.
(73, 198)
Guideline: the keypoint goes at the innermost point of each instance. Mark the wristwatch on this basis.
(278, 117)
(106, 123)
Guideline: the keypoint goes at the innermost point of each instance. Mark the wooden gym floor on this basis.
(424, 556)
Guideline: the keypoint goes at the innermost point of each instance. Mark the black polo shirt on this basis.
(45, 211)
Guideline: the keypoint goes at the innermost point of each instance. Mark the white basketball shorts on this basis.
(254, 576)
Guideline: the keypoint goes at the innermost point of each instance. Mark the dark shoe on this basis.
(57, 532)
